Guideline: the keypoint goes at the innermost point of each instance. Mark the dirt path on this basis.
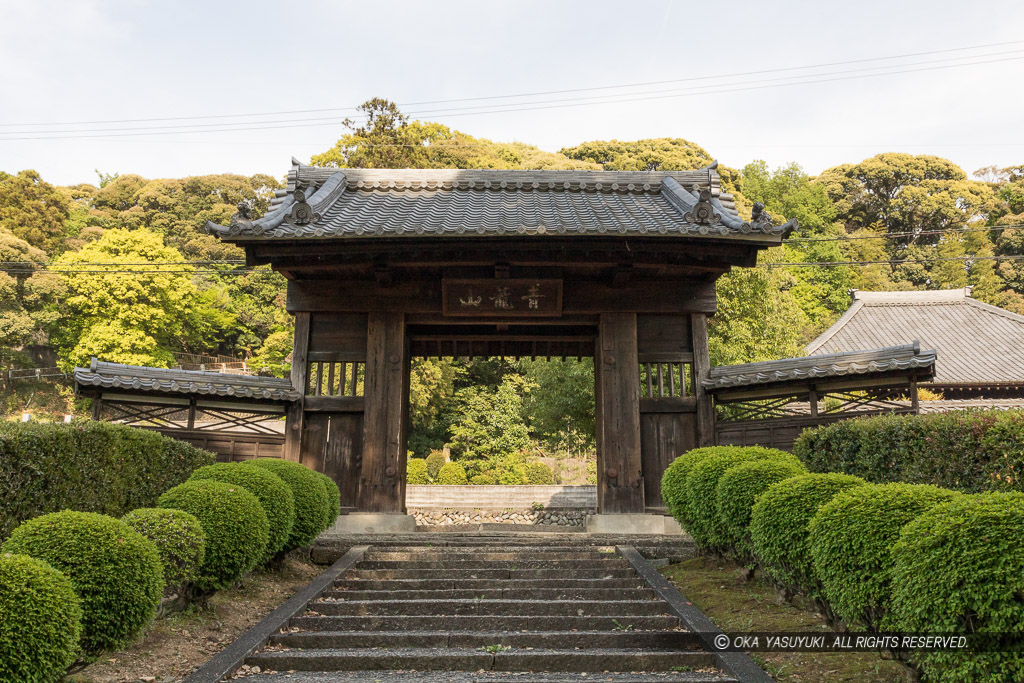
(175, 645)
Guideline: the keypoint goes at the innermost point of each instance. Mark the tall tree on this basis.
(33, 210)
(128, 312)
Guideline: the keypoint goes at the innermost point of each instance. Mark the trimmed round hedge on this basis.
(311, 504)
(482, 480)
(416, 471)
(115, 570)
(274, 495)
(452, 474)
(851, 540)
(962, 562)
(539, 474)
(178, 537)
(779, 524)
(673, 481)
(40, 621)
(333, 498)
(701, 492)
(737, 491)
(234, 525)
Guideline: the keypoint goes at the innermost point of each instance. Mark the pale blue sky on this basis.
(95, 60)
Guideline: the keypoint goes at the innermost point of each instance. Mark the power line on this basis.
(552, 104)
(897, 235)
(529, 94)
(196, 126)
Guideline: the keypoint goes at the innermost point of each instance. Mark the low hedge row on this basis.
(969, 451)
(86, 466)
(883, 557)
(73, 584)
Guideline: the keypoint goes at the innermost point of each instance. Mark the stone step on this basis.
(697, 676)
(466, 659)
(328, 552)
(516, 563)
(473, 584)
(469, 622)
(433, 554)
(457, 574)
(670, 640)
(497, 593)
(611, 608)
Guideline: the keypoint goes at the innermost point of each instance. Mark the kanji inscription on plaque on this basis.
(502, 297)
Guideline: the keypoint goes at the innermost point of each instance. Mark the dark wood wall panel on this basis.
(343, 333)
(343, 455)
(663, 438)
(663, 337)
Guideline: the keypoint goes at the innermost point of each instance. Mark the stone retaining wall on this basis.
(552, 517)
(499, 497)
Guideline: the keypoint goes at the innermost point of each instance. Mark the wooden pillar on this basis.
(293, 422)
(619, 472)
(381, 484)
(97, 409)
(701, 368)
(915, 401)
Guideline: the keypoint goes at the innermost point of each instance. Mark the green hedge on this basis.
(274, 495)
(40, 621)
(851, 541)
(779, 530)
(115, 571)
(969, 451)
(311, 505)
(86, 466)
(333, 497)
(959, 568)
(701, 492)
(435, 461)
(452, 474)
(234, 526)
(416, 471)
(539, 474)
(673, 481)
(737, 491)
(178, 537)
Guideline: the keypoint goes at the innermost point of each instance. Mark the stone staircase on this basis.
(472, 611)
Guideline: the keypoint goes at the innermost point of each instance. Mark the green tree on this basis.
(560, 406)
(489, 424)
(28, 298)
(33, 210)
(388, 139)
(129, 312)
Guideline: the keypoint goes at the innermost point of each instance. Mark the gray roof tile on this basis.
(137, 378)
(891, 359)
(412, 202)
(977, 343)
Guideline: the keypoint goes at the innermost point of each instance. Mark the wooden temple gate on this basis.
(387, 265)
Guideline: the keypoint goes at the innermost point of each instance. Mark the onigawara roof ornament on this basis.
(703, 212)
(302, 213)
(242, 220)
(760, 218)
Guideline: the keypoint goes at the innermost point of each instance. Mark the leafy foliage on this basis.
(115, 570)
(489, 425)
(452, 474)
(851, 541)
(234, 526)
(435, 461)
(86, 466)
(333, 497)
(959, 568)
(40, 621)
(737, 492)
(416, 471)
(33, 210)
(28, 299)
(969, 451)
(779, 527)
(118, 315)
(673, 481)
(178, 538)
(274, 496)
(700, 492)
(539, 474)
(312, 509)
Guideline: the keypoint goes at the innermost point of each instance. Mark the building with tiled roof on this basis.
(980, 347)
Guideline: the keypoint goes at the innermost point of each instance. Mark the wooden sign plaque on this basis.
(520, 297)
